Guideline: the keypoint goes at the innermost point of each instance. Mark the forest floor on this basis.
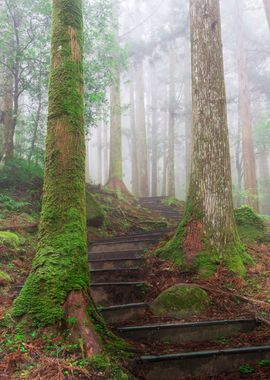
(35, 357)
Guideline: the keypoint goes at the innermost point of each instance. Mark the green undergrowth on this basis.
(173, 202)
(121, 214)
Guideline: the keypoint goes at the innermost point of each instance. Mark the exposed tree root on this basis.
(80, 324)
(116, 183)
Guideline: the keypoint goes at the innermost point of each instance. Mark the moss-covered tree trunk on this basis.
(56, 289)
(207, 236)
(245, 118)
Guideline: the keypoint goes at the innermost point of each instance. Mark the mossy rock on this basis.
(94, 213)
(9, 239)
(180, 301)
(5, 278)
(251, 226)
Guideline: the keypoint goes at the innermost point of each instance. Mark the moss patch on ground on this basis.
(180, 301)
(9, 239)
(251, 226)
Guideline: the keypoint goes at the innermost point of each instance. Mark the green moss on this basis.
(4, 278)
(94, 212)
(233, 256)
(61, 263)
(180, 301)
(9, 239)
(173, 202)
(251, 226)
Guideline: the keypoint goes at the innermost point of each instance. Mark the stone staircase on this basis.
(118, 288)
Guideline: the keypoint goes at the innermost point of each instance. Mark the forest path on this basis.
(173, 350)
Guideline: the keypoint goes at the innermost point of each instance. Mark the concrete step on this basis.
(117, 293)
(123, 245)
(116, 263)
(116, 254)
(123, 313)
(203, 363)
(117, 274)
(178, 333)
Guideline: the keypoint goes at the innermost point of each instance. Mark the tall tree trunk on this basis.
(165, 155)
(56, 287)
(99, 152)
(249, 162)
(141, 131)
(171, 134)
(207, 237)
(6, 117)
(36, 124)
(87, 165)
(264, 175)
(267, 10)
(188, 110)
(154, 139)
(105, 161)
(116, 170)
(134, 149)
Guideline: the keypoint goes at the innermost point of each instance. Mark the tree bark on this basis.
(267, 10)
(207, 237)
(134, 150)
(249, 162)
(188, 110)
(154, 139)
(171, 134)
(264, 175)
(141, 131)
(57, 286)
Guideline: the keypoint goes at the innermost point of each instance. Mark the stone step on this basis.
(116, 263)
(123, 245)
(117, 293)
(203, 363)
(117, 274)
(142, 235)
(116, 254)
(178, 333)
(123, 313)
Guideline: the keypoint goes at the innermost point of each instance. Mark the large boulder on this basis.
(94, 213)
(251, 226)
(180, 301)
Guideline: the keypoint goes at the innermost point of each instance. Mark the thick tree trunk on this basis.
(154, 139)
(56, 288)
(134, 148)
(141, 131)
(249, 162)
(207, 237)
(267, 10)
(171, 134)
